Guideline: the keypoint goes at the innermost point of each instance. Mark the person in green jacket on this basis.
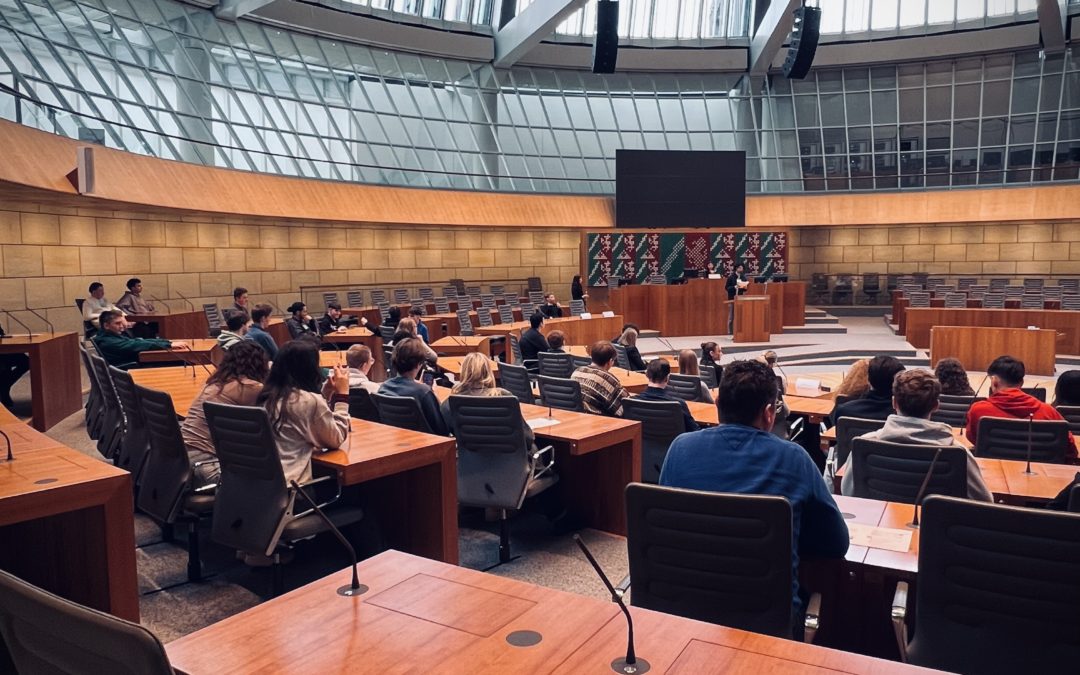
(118, 349)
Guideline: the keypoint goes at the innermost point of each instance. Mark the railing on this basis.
(838, 290)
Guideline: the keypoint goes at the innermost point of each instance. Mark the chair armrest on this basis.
(540, 469)
(796, 428)
(812, 621)
(321, 479)
(899, 618)
(623, 586)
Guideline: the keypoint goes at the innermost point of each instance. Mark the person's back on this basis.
(739, 456)
(195, 430)
(118, 349)
(601, 392)
(408, 358)
(659, 372)
(532, 341)
(877, 403)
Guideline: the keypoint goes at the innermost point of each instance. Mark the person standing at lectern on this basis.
(736, 285)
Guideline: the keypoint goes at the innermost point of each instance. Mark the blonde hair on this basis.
(628, 338)
(688, 363)
(357, 356)
(857, 381)
(407, 325)
(476, 376)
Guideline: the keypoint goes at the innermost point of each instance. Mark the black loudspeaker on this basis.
(606, 48)
(804, 38)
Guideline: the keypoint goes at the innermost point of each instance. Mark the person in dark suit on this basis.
(732, 286)
(659, 372)
(577, 290)
(877, 404)
(551, 308)
(533, 341)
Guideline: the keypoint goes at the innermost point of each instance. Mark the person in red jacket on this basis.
(1007, 400)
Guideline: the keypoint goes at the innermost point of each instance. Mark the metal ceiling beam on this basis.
(231, 10)
(770, 35)
(527, 29)
(1053, 20)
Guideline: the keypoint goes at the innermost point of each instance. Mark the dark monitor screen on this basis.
(680, 188)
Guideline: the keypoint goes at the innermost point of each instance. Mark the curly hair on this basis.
(244, 360)
(954, 379)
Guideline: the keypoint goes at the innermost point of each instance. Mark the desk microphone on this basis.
(165, 304)
(190, 304)
(10, 457)
(355, 587)
(16, 320)
(981, 385)
(630, 664)
(914, 524)
(667, 344)
(280, 311)
(1031, 430)
(52, 330)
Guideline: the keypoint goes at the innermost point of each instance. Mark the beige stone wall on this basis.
(50, 254)
(976, 249)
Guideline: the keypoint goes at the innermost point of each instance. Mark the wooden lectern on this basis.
(751, 318)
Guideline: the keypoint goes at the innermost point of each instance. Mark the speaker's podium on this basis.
(751, 318)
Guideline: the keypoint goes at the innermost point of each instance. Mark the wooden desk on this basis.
(279, 331)
(409, 484)
(66, 523)
(752, 319)
(977, 347)
(199, 352)
(358, 335)
(794, 302)
(694, 308)
(424, 616)
(919, 321)
(460, 345)
(775, 294)
(55, 374)
(176, 325)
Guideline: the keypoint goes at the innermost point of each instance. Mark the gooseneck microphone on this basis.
(355, 587)
(52, 330)
(10, 457)
(630, 664)
(981, 385)
(189, 303)
(914, 524)
(674, 352)
(14, 318)
(165, 304)
(1031, 431)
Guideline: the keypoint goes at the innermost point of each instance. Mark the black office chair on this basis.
(386, 333)
(894, 472)
(1006, 438)
(577, 307)
(362, 406)
(997, 592)
(661, 422)
(134, 441)
(1037, 392)
(88, 327)
(442, 305)
(710, 374)
(1072, 416)
(355, 298)
(531, 365)
(1074, 499)
(255, 511)
(560, 392)
(871, 287)
(506, 314)
(556, 364)
(847, 428)
(953, 410)
(497, 468)
(94, 411)
(515, 379)
(378, 296)
(483, 317)
(819, 288)
(715, 557)
(401, 296)
(401, 411)
(166, 493)
(112, 426)
(465, 322)
(213, 318)
(388, 362)
(47, 634)
(621, 358)
(686, 387)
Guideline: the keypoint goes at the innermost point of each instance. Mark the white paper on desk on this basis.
(608, 314)
(885, 538)
(586, 315)
(807, 384)
(541, 422)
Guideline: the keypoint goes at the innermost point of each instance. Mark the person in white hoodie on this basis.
(915, 398)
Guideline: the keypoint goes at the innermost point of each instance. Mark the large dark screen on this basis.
(680, 188)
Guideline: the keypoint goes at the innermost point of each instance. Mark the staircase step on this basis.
(816, 328)
(648, 333)
(819, 320)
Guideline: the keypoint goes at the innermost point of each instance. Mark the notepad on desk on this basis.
(541, 422)
(886, 538)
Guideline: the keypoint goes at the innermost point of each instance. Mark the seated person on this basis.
(780, 426)
(408, 359)
(601, 392)
(551, 308)
(417, 315)
(301, 418)
(742, 456)
(407, 329)
(710, 355)
(333, 319)
(629, 340)
(953, 378)
(659, 372)
(236, 327)
(1007, 400)
(132, 301)
(688, 365)
(915, 397)
(1067, 389)
(393, 317)
(257, 331)
(877, 403)
(118, 349)
(358, 358)
(477, 379)
(624, 327)
(532, 341)
(240, 300)
(94, 305)
(856, 382)
(556, 339)
(12, 367)
(300, 322)
(237, 381)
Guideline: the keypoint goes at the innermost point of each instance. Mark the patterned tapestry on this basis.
(636, 255)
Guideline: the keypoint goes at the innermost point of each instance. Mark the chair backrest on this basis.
(621, 358)
(1013, 292)
(534, 284)
(965, 283)
(1073, 505)
(920, 278)
(378, 296)
(536, 297)
(401, 296)
(953, 410)
(1071, 413)
(427, 293)
(998, 588)
(251, 499)
(442, 305)
(560, 392)
(577, 307)
(418, 303)
(894, 472)
(45, 633)
(997, 285)
(483, 315)
(1031, 301)
(487, 300)
(515, 349)
(387, 334)
(473, 292)
(511, 299)
(213, 317)
(934, 282)
(1052, 292)
(994, 301)
(1007, 438)
(528, 308)
(686, 387)
(555, 364)
(1033, 284)
(819, 281)
(356, 298)
(919, 298)
(464, 322)
(515, 379)
(847, 428)
(871, 282)
(384, 310)
(168, 469)
(656, 279)
(361, 406)
(1069, 285)
(134, 444)
(459, 286)
(496, 289)
(493, 460)
(330, 297)
(956, 300)
(1070, 302)
(108, 391)
(711, 556)
(401, 411)
(1036, 392)
(580, 361)
(661, 422)
(506, 314)
(450, 292)
(710, 374)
